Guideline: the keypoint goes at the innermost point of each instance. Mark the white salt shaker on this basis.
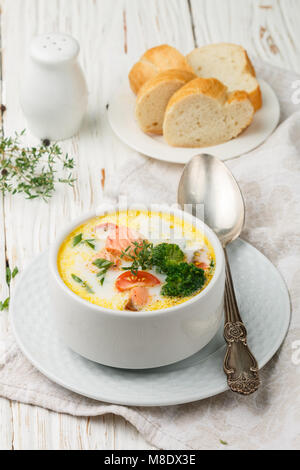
(53, 87)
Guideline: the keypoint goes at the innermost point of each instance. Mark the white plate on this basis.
(265, 308)
(121, 115)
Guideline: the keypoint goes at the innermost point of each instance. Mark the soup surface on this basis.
(136, 260)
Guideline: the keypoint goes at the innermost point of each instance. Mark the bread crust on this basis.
(255, 95)
(154, 61)
(206, 86)
(172, 75)
(140, 73)
(212, 88)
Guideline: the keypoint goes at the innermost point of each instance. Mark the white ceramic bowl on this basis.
(138, 340)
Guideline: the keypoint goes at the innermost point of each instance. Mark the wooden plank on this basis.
(6, 428)
(268, 29)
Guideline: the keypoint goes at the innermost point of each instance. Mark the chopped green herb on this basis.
(223, 442)
(77, 239)
(211, 266)
(91, 243)
(103, 265)
(77, 279)
(88, 288)
(15, 272)
(5, 304)
(83, 283)
(8, 275)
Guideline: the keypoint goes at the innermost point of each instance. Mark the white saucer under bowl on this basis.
(121, 115)
(264, 304)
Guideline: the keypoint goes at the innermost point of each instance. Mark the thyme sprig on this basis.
(141, 256)
(32, 171)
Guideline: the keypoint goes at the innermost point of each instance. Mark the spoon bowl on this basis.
(207, 182)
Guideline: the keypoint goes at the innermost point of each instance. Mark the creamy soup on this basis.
(136, 260)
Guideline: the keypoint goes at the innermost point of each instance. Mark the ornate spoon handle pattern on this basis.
(240, 365)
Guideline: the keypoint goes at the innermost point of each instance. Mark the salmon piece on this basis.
(121, 238)
(139, 297)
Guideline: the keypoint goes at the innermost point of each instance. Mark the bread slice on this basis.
(203, 113)
(154, 96)
(155, 60)
(230, 64)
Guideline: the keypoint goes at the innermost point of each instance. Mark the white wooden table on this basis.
(112, 34)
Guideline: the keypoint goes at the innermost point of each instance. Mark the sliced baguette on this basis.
(203, 113)
(230, 64)
(155, 60)
(154, 96)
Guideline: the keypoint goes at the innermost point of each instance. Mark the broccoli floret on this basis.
(183, 280)
(166, 255)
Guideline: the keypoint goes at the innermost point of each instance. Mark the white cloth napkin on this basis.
(270, 180)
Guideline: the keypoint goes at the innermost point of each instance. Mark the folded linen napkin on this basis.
(269, 177)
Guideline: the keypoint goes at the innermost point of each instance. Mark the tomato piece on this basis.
(127, 280)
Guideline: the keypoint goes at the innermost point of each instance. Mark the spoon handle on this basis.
(240, 365)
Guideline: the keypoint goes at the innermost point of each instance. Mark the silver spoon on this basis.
(206, 181)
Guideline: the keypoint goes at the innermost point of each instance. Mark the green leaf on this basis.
(77, 239)
(5, 304)
(103, 265)
(77, 279)
(223, 442)
(15, 272)
(91, 243)
(83, 283)
(88, 288)
(8, 275)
